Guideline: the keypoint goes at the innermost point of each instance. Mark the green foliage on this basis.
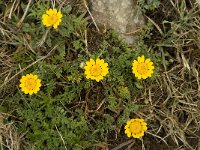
(46, 120)
(128, 109)
(149, 4)
(124, 92)
(51, 112)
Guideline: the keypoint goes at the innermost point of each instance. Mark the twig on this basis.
(53, 2)
(123, 144)
(24, 15)
(11, 9)
(44, 57)
(157, 137)
(60, 6)
(90, 15)
(157, 27)
(133, 32)
(86, 43)
(44, 37)
(143, 147)
(100, 105)
(61, 137)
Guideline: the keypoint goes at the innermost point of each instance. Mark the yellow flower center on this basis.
(30, 84)
(95, 70)
(53, 19)
(135, 127)
(142, 68)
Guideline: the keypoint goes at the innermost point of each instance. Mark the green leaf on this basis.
(67, 9)
(139, 85)
(124, 92)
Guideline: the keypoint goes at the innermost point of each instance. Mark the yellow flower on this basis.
(96, 70)
(52, 18)
(135, 128)
(142, 68)
(30, 84)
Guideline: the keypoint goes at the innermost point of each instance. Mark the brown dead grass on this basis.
(10, 139)
(174, 99)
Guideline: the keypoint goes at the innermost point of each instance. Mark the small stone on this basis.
(124, 16)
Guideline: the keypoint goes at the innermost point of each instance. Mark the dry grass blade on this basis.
(120, 146)
(85, 3)
(9, 138)
(61, 137)
(198, 1)
(25, 13)
(42, 58)
(157, 27)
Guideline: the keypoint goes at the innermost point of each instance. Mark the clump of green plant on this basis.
(149, 4)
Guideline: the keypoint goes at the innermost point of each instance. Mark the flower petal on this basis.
(141, 59)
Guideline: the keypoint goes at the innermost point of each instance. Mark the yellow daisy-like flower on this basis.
(96, 70)
(142, 68)
(30, 84)
(135, 128)
(52, 18)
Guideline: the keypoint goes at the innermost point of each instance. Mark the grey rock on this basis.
(124, 16)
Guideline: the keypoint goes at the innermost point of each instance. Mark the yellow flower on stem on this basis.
(142, 68)
(52, 18)
(135, 128)
(30, 84)
(96, 70)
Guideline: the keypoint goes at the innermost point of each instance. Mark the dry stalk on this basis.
(25, 13)
(30, 65)
(61, 137)
(85, 4)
